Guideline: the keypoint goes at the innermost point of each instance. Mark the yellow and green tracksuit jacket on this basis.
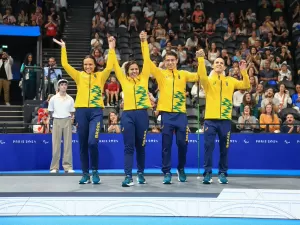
(219, 92)
(172, 88)
(89, 86)
(135, 90)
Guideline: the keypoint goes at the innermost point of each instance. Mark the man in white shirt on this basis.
(61, 106)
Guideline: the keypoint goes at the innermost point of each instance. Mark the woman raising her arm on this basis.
(134, 119)
(89, 107)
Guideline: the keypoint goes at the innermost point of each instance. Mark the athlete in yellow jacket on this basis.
(134, 120)
(89, 105)
(219, 91)
(172, 107)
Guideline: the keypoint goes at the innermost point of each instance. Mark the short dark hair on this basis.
(170, 54)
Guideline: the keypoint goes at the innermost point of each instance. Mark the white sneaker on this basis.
(53, 171)
(70, 171)
(7, 103)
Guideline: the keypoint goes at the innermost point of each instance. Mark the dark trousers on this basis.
(174, 123)
(211, 129)
(135, 124)
(88, 120)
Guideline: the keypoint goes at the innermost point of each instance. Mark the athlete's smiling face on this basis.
(133, 70)
(171, 62)
(89, 65)
(219, 66)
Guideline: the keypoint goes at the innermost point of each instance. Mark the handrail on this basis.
(41, 90)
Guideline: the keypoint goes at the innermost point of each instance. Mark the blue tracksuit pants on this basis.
(89, 125)
(211, 129)
(135, 124)
(174, 123)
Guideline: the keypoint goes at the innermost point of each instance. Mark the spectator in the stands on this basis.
(174, 6)
(259, 96)
(210, 27)
(113, 123)
(283, 97)
(250, 16)
(296, 98)
(8, 18)
(96, 42)
(153, 44)
(289, 126)
(284, 73)
(113, 91)
(252, 39)
(254, 57)
(99, 58)
(29, 77)
(225, 57)
(132, 23)
(191, 42)
(242, 29)
(249, 101)
(268, 41)
(23, 18)
(111, 23)
(197, 14)
(252, 72)
(213, 52)
(267, 75)
(55, 75)
(269, 99)
(285, 53)
(123, 21)
(284, 40)
(246, 122)
(155, 55)
(51, 31)
(244, 50)
(98, 6)
(269, 121)
(6, 63)
(253, 85)
(229, 35)
(37, 17)
(237, 99)
(222, 21)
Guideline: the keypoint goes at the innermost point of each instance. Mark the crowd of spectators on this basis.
(260, 35)
(49, 15)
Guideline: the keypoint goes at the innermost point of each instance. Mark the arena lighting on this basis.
(4, 47)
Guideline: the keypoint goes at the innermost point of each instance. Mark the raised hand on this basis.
(200, 53)
(61, 42)
(111, 42)
(243, 65)
(143, 36)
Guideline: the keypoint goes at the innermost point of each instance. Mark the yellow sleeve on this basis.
(68, 68)
(191, 77)
(202, 74)
(146, 56)
(118, 70)
(154, 71)
(109, 67)
(245, 83)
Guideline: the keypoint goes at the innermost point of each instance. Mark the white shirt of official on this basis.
(61, 106)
